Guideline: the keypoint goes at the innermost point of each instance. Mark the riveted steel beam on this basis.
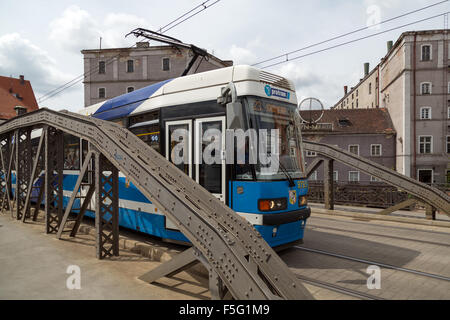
(5, 154)
(54, 165)
(23, 168)
(37, 167)
(74, 195)
(328, 184)
(313, 166)
(106, 207)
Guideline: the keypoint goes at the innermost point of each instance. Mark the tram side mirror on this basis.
(235, 116)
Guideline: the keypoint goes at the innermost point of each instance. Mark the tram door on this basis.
(179, 133)
(210, 175)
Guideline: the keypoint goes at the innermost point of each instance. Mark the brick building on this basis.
(15, 92)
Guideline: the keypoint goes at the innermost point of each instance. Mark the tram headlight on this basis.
(302, 201)
(272, 204)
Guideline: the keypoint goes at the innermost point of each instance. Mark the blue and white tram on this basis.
(275, 204)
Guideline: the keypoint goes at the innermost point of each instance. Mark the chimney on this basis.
(366, 69)
(345, 90)
(22, 79)
(389, 45)
(20, 110)
(142, 44)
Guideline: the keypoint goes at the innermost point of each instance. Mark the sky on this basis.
(42, 39)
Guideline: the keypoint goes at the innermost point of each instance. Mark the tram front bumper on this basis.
(276, 219)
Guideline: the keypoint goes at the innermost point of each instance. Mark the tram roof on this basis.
(193, 88)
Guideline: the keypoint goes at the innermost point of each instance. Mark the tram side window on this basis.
(146, 127)
(71, 152)
(149, 134)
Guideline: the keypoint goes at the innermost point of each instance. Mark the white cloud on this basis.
(309, 82)
(76, 30)
(20, 56)
(242, 55)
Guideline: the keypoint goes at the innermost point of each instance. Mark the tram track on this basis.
(383, 226)
(376, 263)
(315, 227)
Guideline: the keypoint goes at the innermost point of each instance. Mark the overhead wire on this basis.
(350, 33)
(92, 70)
(350, 41)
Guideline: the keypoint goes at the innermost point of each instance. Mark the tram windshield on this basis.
(270, 114)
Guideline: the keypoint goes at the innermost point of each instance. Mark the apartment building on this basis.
(113, 72)
(365, 95)
(413, 84)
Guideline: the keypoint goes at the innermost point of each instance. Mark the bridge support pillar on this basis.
(430, 212)
(6, 155)
(54, 166)
(106, 207)
(22, 138)
(328, 184)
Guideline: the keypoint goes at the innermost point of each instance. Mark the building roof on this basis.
(15, 92)
(141, 48)
(354, 121)
(412, 33)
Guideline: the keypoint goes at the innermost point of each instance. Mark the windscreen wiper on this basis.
(286, 173)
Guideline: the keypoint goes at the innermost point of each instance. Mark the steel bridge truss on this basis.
(433, 198)
(241, 264)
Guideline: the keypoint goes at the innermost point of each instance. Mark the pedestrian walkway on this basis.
(34, 266)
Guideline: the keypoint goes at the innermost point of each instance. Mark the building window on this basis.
(313, 176)
(166, 64)
(101, 93)
(448, 88)
(353, 96)
(448, 112)
(425, 113)
(311, 154)
(425, 175)
(102, 67)
(130, 66)
(354, 148)
(425, 88)
(448, 144)
(353, 105)
(374, 179)
(370, 88)
(425, 144)
(357, 104)
(356, 92)
(130, 89)
(335, 175)
(426, 52)
(353, 176)
(375, 150)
